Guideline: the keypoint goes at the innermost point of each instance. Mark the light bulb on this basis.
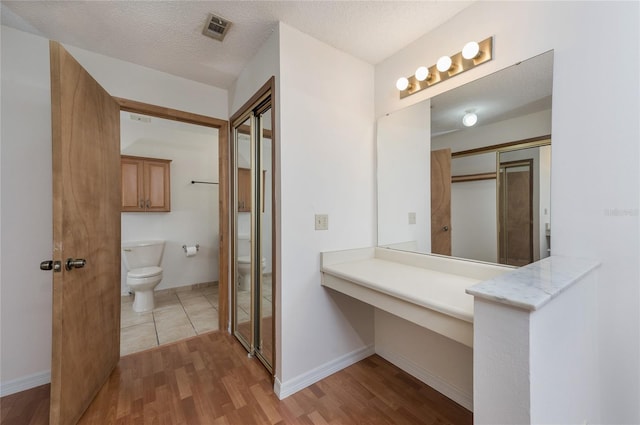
(444, 63)
(402, 83)
(469, 119)
(422, 73)
(471, 50)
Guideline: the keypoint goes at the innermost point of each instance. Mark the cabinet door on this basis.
(244, 190)
(132, 187)
(157, 185)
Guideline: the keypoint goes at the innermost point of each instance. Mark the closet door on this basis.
(244, 231)
(253, 227)
(264, 289)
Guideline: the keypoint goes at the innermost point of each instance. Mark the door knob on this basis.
(77, 263)
(445, 228)
(51, 265)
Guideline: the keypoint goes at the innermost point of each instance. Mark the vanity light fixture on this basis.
(473, 54)
(402, 83)
(471, 50)
(444, 64)
(422, 73)
(469, 119)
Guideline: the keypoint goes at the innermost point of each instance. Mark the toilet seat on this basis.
(145, 272)
(245, 259)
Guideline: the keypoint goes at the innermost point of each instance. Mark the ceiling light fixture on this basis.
(469, 119)
(472, 55)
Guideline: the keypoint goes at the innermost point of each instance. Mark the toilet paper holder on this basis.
(185, 247)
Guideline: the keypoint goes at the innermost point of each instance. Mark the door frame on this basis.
(223, 178)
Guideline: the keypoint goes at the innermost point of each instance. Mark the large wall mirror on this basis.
(480, 192)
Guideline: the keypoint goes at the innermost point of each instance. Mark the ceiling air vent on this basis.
(216, 27)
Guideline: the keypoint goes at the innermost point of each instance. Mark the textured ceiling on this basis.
(167, 35)
(515, 91)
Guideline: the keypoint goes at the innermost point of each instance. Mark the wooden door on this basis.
(86, 224)
(515, 213)
(441, 202)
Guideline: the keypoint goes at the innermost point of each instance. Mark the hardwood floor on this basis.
(208, 379)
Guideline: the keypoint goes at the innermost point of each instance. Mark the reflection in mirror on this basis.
(439, 184)
(264, 347)
(243, 259)
(524, 199)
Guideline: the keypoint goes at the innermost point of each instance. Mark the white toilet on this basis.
(244, 263)
(142, 259)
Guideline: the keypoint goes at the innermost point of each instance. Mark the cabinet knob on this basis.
(148, 203)
(141, 203)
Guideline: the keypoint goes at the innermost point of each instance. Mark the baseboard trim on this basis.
(292, 386)
(461, 397)
(24, 383)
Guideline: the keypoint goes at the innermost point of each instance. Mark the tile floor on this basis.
(180, 313)
(244, 301)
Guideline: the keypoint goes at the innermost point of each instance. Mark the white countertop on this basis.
(428, 290)
(442, 292)
(532, 286)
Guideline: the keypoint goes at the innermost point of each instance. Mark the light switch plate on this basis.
(322, 222)
(412, 218)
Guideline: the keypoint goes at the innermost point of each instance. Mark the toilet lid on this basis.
(145, 272)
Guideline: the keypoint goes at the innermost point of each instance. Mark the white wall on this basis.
(563, 348)
(327, 165)
(474, 233)
(544, 213)
(440, 362)
(403, 137)
(595, 127)
(324, 164)
(194, 217)
(26, 185)
(25, 291)
(541, 366)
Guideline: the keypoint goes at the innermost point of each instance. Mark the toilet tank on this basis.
(243, 245)
(138, 254)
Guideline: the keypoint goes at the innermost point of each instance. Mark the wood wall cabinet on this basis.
(244, 190)
(145, 184)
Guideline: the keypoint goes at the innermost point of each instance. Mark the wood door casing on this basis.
(224, 177)
(441, 201)
(86, 224)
